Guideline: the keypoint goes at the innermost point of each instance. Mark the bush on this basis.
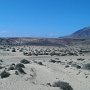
(21, 70)
(40, 63)
(67, 66)
(1, 67)
(24, 61)
(21, 50)
(16, 72)
(5, 74)
(62, 85)
(1, 60)
(80, 59)
(76, 66)
(19, 65)
(13, 50)
(53, 61)
(7, 50)
(11, 67)
(87, 66)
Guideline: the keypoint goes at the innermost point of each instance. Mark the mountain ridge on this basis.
(83, 33)
(81, 36)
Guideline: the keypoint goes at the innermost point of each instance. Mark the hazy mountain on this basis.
(81, 34)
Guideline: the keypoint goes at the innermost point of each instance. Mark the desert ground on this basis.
(44, 68)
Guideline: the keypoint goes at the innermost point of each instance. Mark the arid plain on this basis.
(44, 68)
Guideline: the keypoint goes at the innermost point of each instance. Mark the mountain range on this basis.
(81, 36)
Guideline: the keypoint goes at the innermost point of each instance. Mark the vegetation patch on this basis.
(62, 85)
(5, 74)
(24, 61)
(87, 66)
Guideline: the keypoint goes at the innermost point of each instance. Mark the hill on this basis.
(81, 34)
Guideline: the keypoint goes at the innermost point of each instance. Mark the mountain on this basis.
(81, 34)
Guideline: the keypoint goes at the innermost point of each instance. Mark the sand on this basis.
(38, 76)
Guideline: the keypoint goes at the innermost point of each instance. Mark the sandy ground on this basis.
(38, 76)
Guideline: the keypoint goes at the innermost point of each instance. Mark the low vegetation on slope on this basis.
(62, 85)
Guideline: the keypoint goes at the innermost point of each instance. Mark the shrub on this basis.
(21, 70)
(80, 59)
(11, 67)
(1, 60)
(76, 66)
(19, 65)
(70, 62)
(24, 61)
(13, 50)
(87, 66)
(5, 74)
(16, 72)
(49, 84)
(40, 63)
(1, 67)
(13, 64)
(7, 50)
(62, 85)
(21, 50)
(53, 61)
(67, 66)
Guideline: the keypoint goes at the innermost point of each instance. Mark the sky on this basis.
(43, 18)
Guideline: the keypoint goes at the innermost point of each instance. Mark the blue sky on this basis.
(43, 18)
